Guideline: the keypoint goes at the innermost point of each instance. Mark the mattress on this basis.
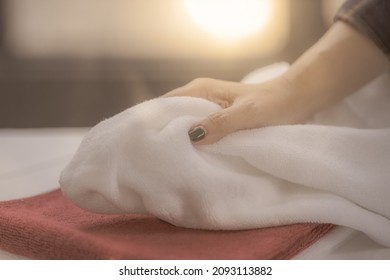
(32, 160)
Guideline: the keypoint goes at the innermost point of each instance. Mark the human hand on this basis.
(341, 62)
(243, 106)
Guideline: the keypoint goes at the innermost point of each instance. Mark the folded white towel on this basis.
(335, 169)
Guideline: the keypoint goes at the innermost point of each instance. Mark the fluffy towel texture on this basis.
(335, 169)
(50, 227)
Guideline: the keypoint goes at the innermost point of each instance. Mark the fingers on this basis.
(217, 125)
(196, 88)
(233, 116)
(219, 92)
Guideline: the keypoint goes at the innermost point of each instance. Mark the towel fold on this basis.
(50, 227)
(334, 169)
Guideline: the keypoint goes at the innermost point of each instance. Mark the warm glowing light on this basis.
(230, 19)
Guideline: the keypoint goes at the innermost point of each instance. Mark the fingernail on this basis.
(197, 133)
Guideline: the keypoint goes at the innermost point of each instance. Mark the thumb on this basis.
(217, 125)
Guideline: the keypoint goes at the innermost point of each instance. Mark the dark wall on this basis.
(50, 93)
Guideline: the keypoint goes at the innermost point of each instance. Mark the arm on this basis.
(342, 61)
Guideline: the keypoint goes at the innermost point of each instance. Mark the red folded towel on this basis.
(50, 227)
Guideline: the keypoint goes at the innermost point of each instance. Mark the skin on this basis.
(341, 62)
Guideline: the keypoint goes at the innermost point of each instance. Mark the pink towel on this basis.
(48, 226)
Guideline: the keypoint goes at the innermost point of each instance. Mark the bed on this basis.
(32, 160)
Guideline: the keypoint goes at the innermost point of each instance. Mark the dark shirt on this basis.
(369, 17)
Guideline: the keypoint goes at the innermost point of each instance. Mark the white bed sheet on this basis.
(32, 159)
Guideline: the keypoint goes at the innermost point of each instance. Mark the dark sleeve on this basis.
(369, 17)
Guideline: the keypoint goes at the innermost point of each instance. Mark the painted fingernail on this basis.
(197, 133)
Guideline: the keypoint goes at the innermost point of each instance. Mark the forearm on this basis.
(341, 62)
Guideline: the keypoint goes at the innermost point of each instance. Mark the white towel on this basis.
(334, 169)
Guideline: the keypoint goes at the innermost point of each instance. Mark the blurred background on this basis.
(72, 63)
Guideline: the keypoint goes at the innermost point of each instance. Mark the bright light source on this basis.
(230, 19)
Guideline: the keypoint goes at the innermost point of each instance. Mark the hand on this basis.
(341, 62)
(243, 106)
